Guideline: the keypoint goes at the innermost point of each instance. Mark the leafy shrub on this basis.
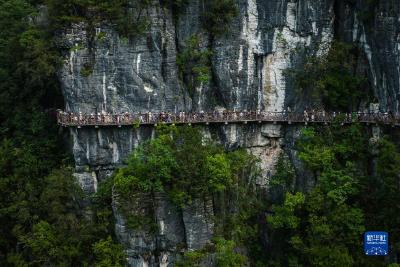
(86, 70)
(219, 171)
(108, 253)
(224, 251)
(218, 16)
(192, 258)
(194, 64)
(284, 215)
(128, 17)
(226, 256)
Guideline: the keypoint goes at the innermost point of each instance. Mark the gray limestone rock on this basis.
(199, 225)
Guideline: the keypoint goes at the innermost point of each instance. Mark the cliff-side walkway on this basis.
(225, 117)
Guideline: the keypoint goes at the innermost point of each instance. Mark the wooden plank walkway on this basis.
(127, 119)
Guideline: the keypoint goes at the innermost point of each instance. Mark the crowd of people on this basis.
(68, 118)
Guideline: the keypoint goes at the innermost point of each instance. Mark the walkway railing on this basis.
(78, 120)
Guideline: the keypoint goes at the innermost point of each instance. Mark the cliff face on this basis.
(248, 72)
(376, 28)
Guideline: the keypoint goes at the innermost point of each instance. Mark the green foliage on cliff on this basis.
(194, 59)
(225, 254)
(181, 163)
(323, 226)
(194, 64)
(108, 254)
(218, 16)
(128, 17)
(333, 79)
(86, 70)
(224, 251)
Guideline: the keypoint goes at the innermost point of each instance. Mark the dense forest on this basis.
(43, 222)
(44, 215)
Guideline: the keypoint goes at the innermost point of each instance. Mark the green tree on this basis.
(218, 16)
(108, 253)
(219, 170)
(225, 254)
(194, 64)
